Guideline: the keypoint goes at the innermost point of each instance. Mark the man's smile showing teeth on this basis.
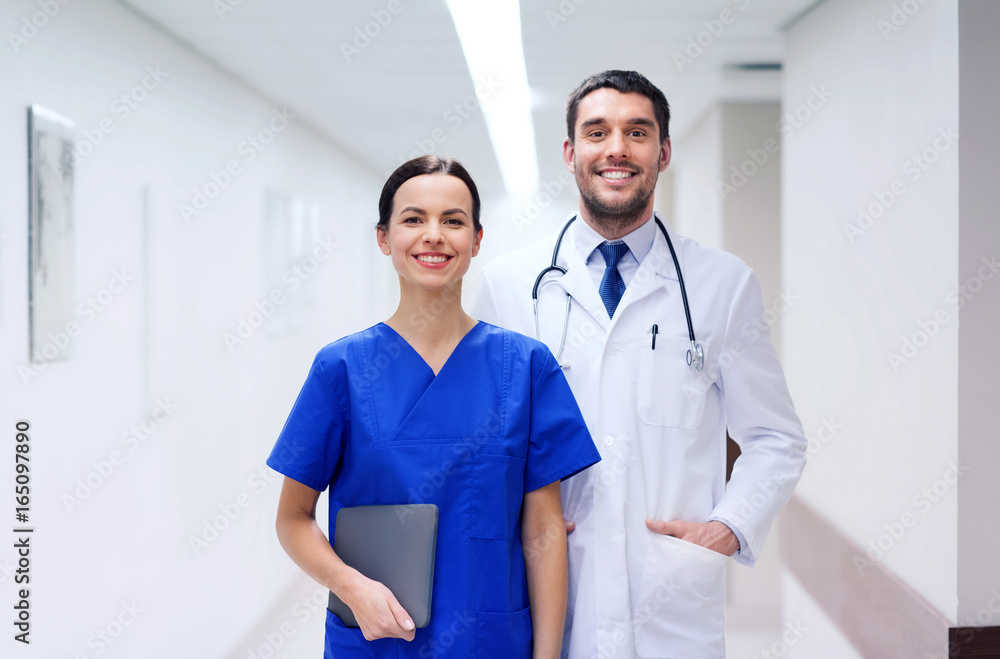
(616, 175)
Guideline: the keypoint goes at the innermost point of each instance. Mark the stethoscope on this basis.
(695, 354)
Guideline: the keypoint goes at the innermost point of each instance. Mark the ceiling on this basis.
(404, 87)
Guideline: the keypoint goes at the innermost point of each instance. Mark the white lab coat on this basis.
(661, 429)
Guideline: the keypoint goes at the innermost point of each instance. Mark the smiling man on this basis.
(659, 378)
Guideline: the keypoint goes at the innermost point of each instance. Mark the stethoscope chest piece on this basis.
(696, 356)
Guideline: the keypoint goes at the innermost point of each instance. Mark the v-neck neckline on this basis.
(421, 357)
(407, 400)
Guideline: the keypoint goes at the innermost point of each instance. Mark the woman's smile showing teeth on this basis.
(432, 259)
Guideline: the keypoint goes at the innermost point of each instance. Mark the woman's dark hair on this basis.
(429, 164)
(623, 82)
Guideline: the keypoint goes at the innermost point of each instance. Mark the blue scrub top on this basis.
(375, 424)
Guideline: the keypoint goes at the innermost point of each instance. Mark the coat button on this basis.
(609, 626)
(609, 440)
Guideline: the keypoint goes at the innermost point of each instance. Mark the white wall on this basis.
(751, 192)
(815, 637)
(870, 99)
(979, 351)
(130, 539)
(697, 164)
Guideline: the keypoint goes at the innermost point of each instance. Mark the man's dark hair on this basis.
(624, 82)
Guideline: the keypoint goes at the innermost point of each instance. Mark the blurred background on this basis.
(196, 220)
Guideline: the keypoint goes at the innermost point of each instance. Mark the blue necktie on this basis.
(612, 285)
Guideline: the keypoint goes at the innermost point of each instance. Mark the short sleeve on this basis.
(312, 441)
(560, 444)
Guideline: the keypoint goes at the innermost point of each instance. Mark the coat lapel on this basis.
(655, 272)
(578, 282)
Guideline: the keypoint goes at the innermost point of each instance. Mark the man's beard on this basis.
(613, 217)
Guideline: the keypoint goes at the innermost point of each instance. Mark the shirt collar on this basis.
(639, 241)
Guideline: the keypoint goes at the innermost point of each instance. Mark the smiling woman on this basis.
(429, 224)
(376, 421)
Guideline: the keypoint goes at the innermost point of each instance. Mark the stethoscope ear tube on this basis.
(680, 280)
(696, 355)
(562, 343)
(538, 282)
(552, 265)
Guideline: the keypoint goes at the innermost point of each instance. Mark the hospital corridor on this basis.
(189, 194)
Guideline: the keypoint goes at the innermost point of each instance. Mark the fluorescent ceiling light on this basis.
(490, 33)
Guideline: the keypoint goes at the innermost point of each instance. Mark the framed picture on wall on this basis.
(51, 259)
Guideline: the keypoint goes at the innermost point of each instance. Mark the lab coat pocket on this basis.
(671, 393)
(497, 492)
(679, 612)
(504, 634)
